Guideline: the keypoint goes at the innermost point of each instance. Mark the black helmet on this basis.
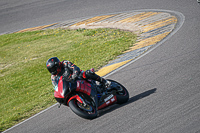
(53, 65)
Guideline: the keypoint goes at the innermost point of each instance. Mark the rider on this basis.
(71, 72)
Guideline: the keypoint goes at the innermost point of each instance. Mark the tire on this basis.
(80, 111)
(123, 96)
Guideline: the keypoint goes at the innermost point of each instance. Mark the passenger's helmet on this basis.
(52, 65)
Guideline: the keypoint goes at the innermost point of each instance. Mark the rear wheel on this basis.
(122, 95)
(87, 111)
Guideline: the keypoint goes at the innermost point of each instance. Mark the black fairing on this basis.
(60, 100)
(65, 87)
(72, 86)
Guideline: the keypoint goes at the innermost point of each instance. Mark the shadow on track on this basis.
(131, 100)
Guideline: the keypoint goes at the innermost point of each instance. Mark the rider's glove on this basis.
(67, 76)
(75, 75)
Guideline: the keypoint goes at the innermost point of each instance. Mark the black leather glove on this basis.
(67, 76)
(74, 76)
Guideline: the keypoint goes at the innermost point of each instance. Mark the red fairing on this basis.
(59, 92)
(84, 75)
(84, 87)
(108, 103)
(75, 97)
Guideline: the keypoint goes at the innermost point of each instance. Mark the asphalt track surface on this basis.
(164, 85)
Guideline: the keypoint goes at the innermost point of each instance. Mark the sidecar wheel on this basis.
(87, 112)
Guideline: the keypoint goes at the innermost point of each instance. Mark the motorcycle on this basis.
(86, 97)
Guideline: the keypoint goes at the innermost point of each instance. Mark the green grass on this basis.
(25, 82)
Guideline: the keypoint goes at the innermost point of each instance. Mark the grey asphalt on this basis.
(164, 85)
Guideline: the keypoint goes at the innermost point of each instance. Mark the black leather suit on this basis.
(69, 71)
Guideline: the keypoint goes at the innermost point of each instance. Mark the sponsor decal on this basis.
(107, 102)
(113, 99)
(62, 93)
(110, 101)
(109, 97)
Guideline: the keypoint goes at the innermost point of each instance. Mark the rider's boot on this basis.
(90, 74)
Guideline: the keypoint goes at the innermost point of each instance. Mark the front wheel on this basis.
(123, 95)
(87, 111)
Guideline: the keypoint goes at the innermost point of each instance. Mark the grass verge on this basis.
(25, 82)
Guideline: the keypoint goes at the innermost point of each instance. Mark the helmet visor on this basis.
(53, 70)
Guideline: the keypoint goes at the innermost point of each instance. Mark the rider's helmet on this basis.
(52, 65)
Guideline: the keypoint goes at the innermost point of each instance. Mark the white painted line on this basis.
(30, 118)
